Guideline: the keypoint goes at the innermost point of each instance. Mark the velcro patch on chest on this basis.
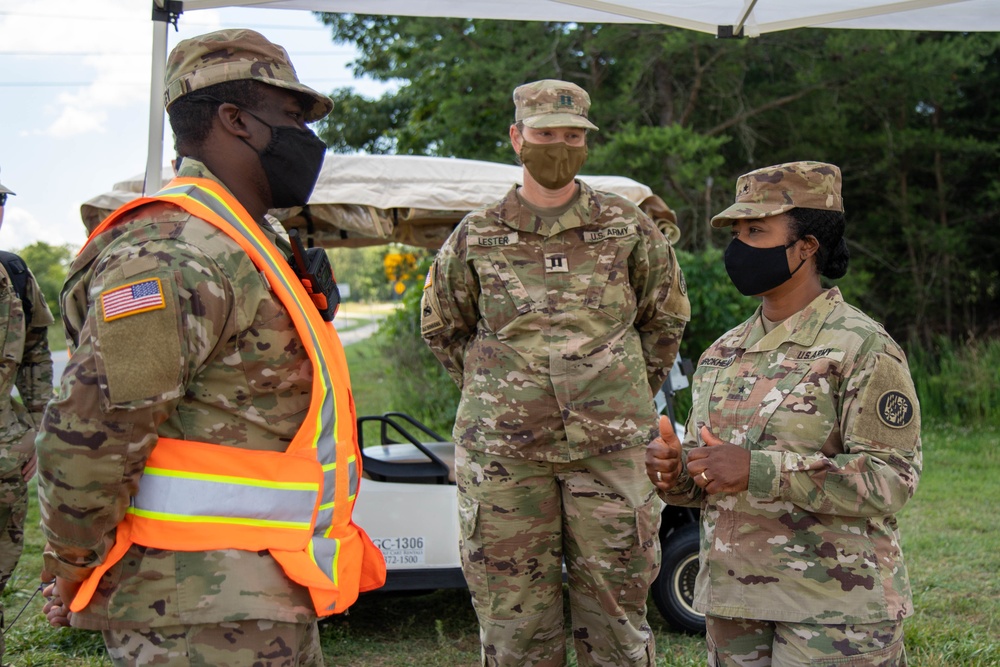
(132, 299)
(598, 235)
(556, 262)
(493, 241)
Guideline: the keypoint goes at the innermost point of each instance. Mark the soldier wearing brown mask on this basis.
(558, 311)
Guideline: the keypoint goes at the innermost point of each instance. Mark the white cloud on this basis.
(112, 40)
(21, 229)
(61, 145)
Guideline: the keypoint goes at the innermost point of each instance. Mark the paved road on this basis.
(354, 335)
(61, 357)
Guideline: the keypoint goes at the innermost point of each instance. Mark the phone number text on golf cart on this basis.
(401, 550)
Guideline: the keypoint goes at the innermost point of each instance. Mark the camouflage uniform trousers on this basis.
(252, 643)
(736, 642)
(13, 511)
(520, 519)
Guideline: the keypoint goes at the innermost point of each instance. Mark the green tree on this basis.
(908, 116)
(912, 134)
(421, 388)
(49, 264)
(364, 270)
(361, 268)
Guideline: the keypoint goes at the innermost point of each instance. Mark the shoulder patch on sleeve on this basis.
(139, 297)
(890, 412)
(895, 409)
(677, 302)
(138, 340)
(431, 317)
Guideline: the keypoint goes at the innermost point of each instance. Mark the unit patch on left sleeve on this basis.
(132, 299)
(895, 409)
(889, 412)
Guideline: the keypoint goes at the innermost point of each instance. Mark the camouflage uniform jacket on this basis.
(558, 331)
(26, 364)
(220, 363)
(826, 406)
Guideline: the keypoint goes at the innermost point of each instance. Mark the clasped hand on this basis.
(58, 594)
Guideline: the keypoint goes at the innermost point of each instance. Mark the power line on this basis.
(194, 24)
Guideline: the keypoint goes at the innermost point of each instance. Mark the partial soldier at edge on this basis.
(27, 365)
(198, 472)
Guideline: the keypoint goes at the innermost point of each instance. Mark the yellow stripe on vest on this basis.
(187, 518)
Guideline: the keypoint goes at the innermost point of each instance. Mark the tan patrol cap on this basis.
(552, 103)
(778, 189)
(232, 55)
(5, 190)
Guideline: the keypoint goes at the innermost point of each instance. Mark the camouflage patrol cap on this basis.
(552, 103)
(778, 189)
(232, 55)
(5, 190)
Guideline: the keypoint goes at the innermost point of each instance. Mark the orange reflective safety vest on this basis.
(297, 504)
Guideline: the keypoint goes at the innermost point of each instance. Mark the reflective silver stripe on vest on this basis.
(324, 548)
(168, 494)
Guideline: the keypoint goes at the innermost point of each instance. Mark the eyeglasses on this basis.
(3, 198)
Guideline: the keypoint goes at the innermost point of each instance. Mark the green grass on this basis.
(950, 538)
(369, 373)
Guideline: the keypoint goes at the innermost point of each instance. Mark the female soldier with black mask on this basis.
(802, 443)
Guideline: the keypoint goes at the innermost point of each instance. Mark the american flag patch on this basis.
(131, 299)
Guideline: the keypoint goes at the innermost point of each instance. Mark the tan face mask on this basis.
(553, 165)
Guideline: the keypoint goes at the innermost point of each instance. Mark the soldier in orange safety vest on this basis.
(198, 472)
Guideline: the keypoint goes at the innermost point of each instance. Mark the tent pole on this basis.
(154, 152)
(165, 12)
(825, 20)
(744, 15)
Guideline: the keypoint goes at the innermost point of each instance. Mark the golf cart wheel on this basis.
(673, 588)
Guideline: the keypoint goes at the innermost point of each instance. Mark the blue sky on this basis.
(74, 98)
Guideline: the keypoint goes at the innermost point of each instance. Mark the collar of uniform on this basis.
(802, 328)
(516, 215)
(190, 168)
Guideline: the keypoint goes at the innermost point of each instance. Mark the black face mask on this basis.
(757, 270)
(292, 161)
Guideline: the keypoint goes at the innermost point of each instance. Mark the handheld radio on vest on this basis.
(312, 266)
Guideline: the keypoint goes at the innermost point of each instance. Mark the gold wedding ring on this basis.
(704, 477)
(659, 477)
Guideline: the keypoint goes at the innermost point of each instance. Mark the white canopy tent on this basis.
(374, 199)
(724, 18)
(717, 17)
